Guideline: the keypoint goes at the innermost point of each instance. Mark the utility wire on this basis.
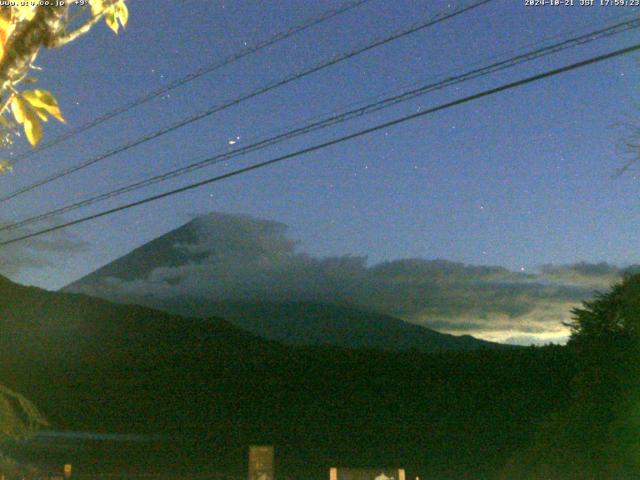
(320, 146)
(147, 97)
(339, 118)
(217, 108)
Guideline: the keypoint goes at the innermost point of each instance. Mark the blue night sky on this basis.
(518, 179)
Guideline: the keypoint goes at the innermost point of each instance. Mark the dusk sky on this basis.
(518, 179)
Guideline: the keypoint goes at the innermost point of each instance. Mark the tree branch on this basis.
(62, 40)
(25, 42)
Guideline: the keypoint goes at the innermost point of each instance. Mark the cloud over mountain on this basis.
(37, 252)
(221, 257)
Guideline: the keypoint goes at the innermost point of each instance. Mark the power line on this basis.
(147, 97)
(217, 108)
(340, 118)
(360, 133)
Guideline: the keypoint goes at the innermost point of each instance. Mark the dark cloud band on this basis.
(222, 257)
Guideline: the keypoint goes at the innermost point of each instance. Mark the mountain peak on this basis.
(247, 270)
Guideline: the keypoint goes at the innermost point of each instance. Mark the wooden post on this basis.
(261, 462)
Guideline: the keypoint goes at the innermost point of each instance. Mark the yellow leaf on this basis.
(5, 167)
(6, 27)
(116, 15)
(23, 11)
(122, 12)
(19, 109)
(43, 100)
(97, 7)
(40, 113)
(112, 20)
(28, 118)
(32, 128)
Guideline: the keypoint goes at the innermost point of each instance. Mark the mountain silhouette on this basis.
(212, 389)
(182, 272)
(306, 323)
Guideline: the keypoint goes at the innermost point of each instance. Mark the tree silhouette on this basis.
(611, 320)
(597, 434)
